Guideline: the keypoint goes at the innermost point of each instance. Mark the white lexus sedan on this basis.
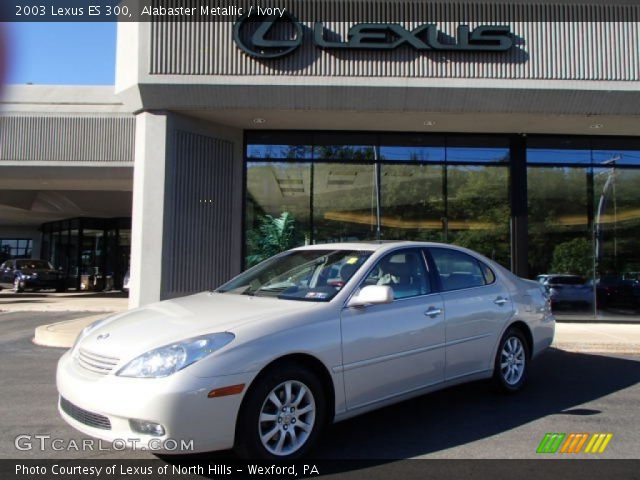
(314, 335)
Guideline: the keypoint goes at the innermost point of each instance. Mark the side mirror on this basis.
(372, 295)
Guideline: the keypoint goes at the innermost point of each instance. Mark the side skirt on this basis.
(359, 410)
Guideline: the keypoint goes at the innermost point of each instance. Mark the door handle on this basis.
(433, 312)
(500, 301)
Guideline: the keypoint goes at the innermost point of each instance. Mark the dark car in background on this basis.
(614, 291)
(570, 291)
(22, 274)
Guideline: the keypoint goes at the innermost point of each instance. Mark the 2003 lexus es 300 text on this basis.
(314, 335)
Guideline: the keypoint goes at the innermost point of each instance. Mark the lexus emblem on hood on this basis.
(102, 336)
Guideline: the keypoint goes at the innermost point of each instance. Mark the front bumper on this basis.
(179, 403)
(37, 282)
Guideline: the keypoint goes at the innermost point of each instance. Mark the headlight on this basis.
(167, 360)
(87, 330)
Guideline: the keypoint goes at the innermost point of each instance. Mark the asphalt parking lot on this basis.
(568, 392)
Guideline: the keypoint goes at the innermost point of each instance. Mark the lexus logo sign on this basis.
(254, 35)
(268, 37)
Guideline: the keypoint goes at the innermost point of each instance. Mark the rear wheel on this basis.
(282, 415)
(18, 286)
(512, 361)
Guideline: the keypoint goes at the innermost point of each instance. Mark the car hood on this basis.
(137, 331)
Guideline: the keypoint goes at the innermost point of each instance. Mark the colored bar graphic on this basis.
(605, 444)
(581, 443)
(598, 443)
(550, 443)
(573, 443)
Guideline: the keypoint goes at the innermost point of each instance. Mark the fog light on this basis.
(146, 428)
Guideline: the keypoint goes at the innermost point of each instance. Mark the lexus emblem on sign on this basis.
(255, 35)
(269, 37)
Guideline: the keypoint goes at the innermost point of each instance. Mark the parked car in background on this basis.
(615, 291)
(21, 275)
(568, 291)
(311, 336)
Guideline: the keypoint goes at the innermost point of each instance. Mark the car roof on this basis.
(374, 245)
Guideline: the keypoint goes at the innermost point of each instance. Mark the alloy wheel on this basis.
(512, 360)
(287, 418)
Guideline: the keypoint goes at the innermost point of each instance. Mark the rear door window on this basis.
(457, 270)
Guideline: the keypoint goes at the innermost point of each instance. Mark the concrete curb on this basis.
(62, 302)
(619, 349)
(62, 334)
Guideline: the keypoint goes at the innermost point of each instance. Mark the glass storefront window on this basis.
(413, 202)
(366, 186)
(345, 152)
(344, 202)
(616, 233)
(616, 157)
(412, 153)
(477, 155)
(478, 210)
(477, 149)
(345, 146)
(560, 237)
(278, 215)
(413, 148)
(583, 202)
(279, 152)
(551, 156)
(92, 252)
(11, 248)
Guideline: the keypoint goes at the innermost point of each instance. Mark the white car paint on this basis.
(373, 355)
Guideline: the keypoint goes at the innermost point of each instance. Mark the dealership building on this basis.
(510, 128)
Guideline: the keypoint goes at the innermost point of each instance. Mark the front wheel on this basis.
(18, 286)
(512, 361)
(282, 415)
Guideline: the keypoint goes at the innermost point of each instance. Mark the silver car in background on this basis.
(311, 336)
(568, 291)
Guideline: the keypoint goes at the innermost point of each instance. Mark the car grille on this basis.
(91, 419)
(96, 363)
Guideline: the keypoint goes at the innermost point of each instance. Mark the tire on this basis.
(511, 367)
(18, 287)
(266, 399)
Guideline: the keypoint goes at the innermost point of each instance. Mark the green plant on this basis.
(272, 235)
(573, 257)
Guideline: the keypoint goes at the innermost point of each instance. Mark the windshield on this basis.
(33, 265)
(311, 275)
